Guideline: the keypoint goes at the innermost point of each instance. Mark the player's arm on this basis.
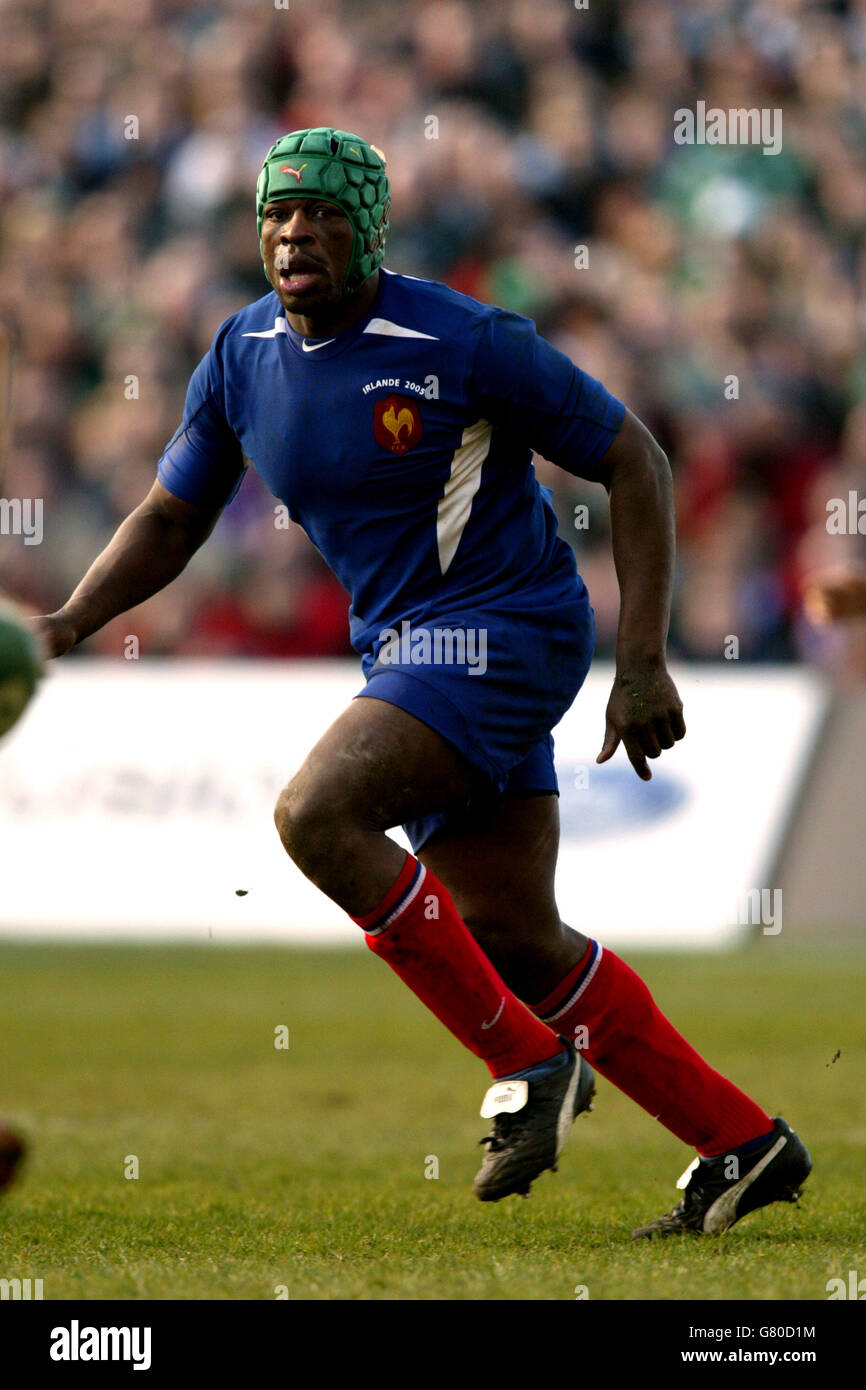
(537, 394)
(148, 550)
(644, 711)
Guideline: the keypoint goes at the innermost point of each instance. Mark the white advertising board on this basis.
(136, 800)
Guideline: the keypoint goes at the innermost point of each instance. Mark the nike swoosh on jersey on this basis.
(312, 347)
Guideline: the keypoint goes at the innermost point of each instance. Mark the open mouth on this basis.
(297, 279)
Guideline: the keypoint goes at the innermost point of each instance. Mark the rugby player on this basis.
(396, 420)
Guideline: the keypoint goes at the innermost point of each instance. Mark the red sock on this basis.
(631, 1042)
(417, 930)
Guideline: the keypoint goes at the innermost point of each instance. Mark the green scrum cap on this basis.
(343, 169)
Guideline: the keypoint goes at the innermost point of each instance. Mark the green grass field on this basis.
(261, 1167)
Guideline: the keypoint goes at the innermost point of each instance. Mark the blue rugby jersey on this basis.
(401, 446)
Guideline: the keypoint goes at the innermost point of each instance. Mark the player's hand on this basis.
(56, 633)
(644, 713)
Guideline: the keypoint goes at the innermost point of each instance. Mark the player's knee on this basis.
(305, 826)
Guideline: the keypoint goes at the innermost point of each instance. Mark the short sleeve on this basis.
(520, 381)
(203, 461)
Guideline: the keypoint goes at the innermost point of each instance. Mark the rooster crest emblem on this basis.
(397, 424)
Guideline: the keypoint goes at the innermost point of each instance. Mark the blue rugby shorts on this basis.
(499, 705)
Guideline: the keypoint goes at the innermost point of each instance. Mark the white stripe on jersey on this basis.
(396, 330)
(280, 326)
(455, 505)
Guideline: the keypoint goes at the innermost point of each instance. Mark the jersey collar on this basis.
(322, 349)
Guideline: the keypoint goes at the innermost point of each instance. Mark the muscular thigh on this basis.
(379, 765)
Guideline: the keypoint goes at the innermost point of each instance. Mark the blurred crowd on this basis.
(721, 293)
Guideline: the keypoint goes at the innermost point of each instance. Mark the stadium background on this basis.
(553, 129)
(121, 256)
